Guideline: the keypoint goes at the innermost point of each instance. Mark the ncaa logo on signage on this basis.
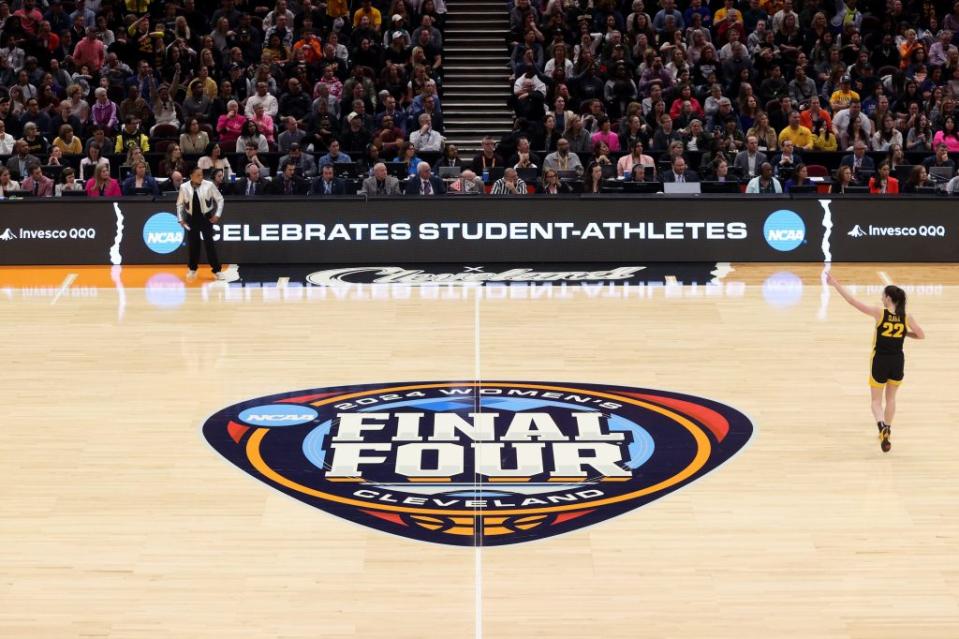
(162, 233)
(784, 230)
(471, 463)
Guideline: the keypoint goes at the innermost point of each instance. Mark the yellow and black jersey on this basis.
(890, 333)
(888, 359)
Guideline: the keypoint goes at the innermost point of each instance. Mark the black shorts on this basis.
(887, 367)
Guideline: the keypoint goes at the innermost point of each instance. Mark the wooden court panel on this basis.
(117, 519)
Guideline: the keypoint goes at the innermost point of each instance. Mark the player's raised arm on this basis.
(873, 311)
(915, 331)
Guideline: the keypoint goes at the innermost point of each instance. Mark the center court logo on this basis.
(784, 230)
(469, 463)
(162, 233)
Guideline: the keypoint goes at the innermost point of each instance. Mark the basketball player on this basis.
(199, 206)
(888, 360)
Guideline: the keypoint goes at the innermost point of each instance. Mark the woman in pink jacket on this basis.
(102, 185)
(230, 125)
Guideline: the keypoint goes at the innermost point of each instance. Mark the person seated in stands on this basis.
(562, 159)
(305, 166)
(487, 158)
(131, 134)
(467, 184)
(406, 153)
(69, 182)
(800, 136)
(288, 182)
(842, 120)
(941, 158)
(529, 94)
(7, 184)
(213, 159)
(719, 171)
(21, 160)
(451, 157)
(380, 183)
(552, 185)
(327, 183)
(251, 135)
(695, 138)
(593, 179)
(675, 150)
(952, 187)
(679, 173)
(333, 155)
(193, 141)
(764, 183)
(948, 134)
(842, 180)
(524, 158)
(787, 160)
(509, 184)
(636, 157)
(37, 183)
(101, 184)
(578, 136)
(665, 135)
(218, 177)
(749, 160)
(918, 179)
(173, 184)
(139, 180)
(426, 138)
(823, 138)
(800, 177)
(253, 184)
(424, 182)
(36, 143)
(882, 182)
(858, 161)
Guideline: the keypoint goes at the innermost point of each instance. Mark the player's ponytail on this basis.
(898, 297)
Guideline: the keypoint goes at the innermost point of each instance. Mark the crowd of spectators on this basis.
(103, 97)
(769, 93)
(111, 97)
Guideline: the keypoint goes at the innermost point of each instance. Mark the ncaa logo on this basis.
(278, 415)
(784, 230)
(162, 233)
(472, 463)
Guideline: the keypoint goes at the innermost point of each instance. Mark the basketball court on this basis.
(120, 520)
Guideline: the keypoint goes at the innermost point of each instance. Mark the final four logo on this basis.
(473, 463)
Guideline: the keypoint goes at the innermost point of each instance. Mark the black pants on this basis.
(200, 224)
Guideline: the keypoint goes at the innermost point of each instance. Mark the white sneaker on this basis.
(223, 277)
(190, 275)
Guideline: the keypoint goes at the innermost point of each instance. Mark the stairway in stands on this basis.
(476, 81)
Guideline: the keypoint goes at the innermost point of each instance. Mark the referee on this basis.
(199, 206)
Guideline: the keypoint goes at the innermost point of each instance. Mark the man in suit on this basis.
(21, 160)
(858, 161)
(749, 160)
(253, 184)
(424, 183)
(288, 182)
(37, 183)
(380, 183)
(679, 173)
(328, 184)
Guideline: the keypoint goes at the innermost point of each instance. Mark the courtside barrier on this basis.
(463, 229)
